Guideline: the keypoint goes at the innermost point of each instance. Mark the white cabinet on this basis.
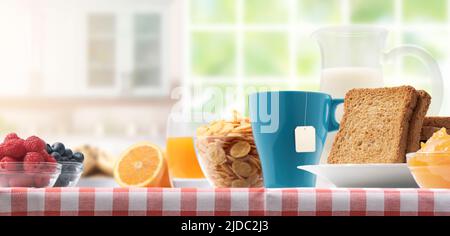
(105, 47)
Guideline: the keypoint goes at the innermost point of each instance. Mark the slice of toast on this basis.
(415, 126)
(375, 126)
(437, 121)
(432, 124)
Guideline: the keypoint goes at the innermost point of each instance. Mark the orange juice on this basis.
(182, 159)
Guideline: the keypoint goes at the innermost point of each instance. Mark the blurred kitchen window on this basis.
(308, 60)
(266, 11)
(372, 11)
(102, 50)
(430, 11)
(436, 42)
(266, 54)
(319, 12)
(258, 43)
(213, 54)
(216, 11)
(267, 42)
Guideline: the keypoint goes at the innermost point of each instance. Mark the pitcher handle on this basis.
(423, 55)
(334, 125)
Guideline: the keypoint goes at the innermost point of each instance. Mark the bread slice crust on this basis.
(427, 132)
(437, 121)
(415, 126)
(375, 126)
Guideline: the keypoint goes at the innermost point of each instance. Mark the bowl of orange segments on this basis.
(430, 166)
(142, 165)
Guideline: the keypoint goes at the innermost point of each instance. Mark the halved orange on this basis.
(142, 165)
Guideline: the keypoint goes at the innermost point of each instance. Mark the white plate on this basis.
(364, 175)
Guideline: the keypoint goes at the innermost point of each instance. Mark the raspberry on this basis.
(21, 181)
(34, 144)
(14, 148)
(44, 153)
(32, 161)
(42, 181)
(33, 157)
(2, 150)
(4, 181)
(5, 164)
(10, 136)
(50, 159)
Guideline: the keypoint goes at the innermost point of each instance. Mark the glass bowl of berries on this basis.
(71, 164)
(28, 174)
(25, 163)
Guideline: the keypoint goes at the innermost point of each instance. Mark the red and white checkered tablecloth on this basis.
(220, 202)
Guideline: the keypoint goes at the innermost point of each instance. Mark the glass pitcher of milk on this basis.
(352, 57)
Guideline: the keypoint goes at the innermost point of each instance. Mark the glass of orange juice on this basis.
(180, 151)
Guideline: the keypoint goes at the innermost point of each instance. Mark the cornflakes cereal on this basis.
(227, 128)
(216, 154)
(239, 183)
(240, 149)
(228, 151)
(241, 168)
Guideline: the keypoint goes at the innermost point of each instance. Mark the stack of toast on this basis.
(380, 125)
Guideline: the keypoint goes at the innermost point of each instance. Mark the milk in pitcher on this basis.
(338, 81)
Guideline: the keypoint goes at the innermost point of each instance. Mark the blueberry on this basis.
(64, 159)
(59, 147)
(59, 158)
(68, 153)
(49, 148)
(78, 157)
(56, 155)
(68, 168)
(63, 180)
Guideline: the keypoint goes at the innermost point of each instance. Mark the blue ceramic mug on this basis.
(290, 128)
